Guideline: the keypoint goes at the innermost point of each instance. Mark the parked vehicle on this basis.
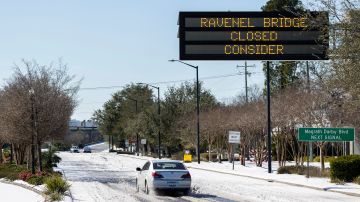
(163, 175)
(74, 149)
(87, 149)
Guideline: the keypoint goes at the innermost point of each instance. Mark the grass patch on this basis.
(302, 170)
(56, 186)
(357, 180)
(55, 196)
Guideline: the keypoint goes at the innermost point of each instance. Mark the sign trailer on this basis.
(254, 36)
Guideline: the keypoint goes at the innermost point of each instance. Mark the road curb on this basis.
(259, 178)
(277, 181)
(25, 187)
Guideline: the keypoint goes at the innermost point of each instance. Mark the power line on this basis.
(164, 82)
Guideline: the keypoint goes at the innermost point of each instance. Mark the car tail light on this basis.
(156, 175)
(186, 176)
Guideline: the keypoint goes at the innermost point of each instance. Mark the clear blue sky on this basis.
(114, 42)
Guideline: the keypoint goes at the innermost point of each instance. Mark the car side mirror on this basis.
(138, 169)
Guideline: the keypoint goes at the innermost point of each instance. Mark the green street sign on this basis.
(326, 134)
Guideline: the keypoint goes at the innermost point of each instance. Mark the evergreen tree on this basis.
(282, 74)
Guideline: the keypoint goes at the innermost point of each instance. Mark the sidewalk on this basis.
(261, 173)
(18, 193)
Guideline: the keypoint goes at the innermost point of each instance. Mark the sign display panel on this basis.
(326, 134)
(234, 137)
(253, 36)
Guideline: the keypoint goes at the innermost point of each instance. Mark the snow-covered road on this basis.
(111, 177)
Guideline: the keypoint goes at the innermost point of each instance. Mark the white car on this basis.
(74, 149)
(163, 175)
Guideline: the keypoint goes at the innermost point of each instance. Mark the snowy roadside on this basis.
(251, 170)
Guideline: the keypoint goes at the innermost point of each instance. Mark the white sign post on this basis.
(234, 138)
(143, 141)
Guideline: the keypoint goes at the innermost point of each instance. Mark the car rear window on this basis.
(168, 166)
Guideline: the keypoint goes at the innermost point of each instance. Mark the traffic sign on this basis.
(253, 35)
(143, 141)
(234, 137)
(326, 134)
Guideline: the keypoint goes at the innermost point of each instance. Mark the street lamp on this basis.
(197, 104)
(136, 112)
(159, 136)
(137, 134)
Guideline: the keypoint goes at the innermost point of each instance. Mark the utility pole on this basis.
(246, 75)
(246, 100)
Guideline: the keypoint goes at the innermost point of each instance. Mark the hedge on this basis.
(345, 168)
(205, 157)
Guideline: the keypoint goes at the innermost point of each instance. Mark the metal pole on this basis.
(246, 86)
(137, 134)
(198, 113)
(159, 137)
(308, 162)
(268, 115)
(233, 155)
(308, 88)
(32, 136)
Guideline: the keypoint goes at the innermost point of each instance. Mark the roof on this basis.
(162, 161)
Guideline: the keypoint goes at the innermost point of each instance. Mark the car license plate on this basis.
(171, 184)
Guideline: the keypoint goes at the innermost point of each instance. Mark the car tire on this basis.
(186, 192)
(147, 191)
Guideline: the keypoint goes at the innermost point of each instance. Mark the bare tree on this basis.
(37, 104)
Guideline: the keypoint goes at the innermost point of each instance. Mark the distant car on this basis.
(163, 175)
(87, 150)
(74, 149)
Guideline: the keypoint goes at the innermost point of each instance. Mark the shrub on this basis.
(357, 180)
(56, 196)
(10, 172)
(205, 157)
(50, 159)
(58, 146)
(25, 175)
(345, 168)
(326, 158)
(56, 184)
(36, 180)
(178, 156)
(302, 170)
